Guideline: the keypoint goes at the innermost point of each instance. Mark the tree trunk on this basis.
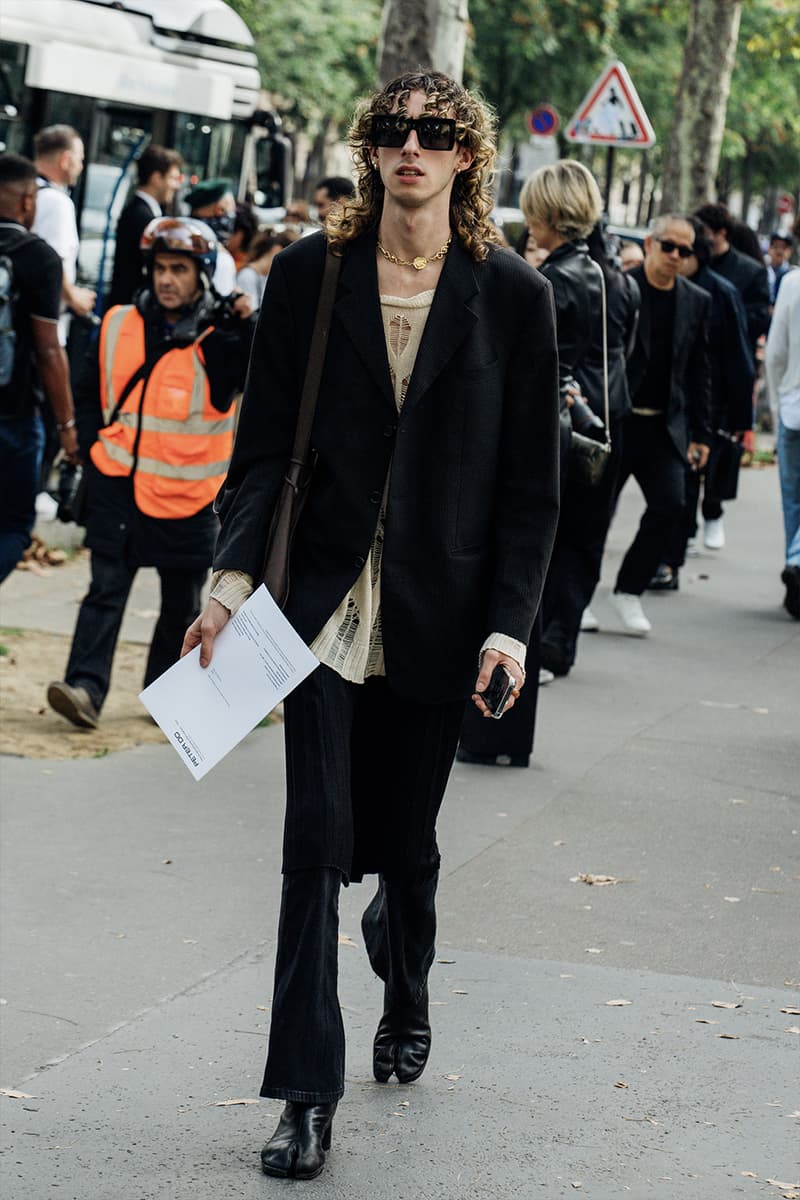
(701, 104)
(747, 183)
(419, 34)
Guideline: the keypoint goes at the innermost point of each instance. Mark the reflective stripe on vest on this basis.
(167, 434)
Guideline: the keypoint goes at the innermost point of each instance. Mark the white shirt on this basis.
(782, 360)
(225, 272)
(55, 223)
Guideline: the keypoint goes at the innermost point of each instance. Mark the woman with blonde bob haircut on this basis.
(561, 204)
(563, 197)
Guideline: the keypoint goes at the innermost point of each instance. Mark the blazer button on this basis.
(359, 562)
(389, 430)
(375, 498)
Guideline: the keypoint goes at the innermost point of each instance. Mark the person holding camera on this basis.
(155, 425)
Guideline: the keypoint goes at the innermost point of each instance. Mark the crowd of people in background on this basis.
(660, 344)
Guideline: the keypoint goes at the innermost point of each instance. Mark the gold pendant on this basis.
(419, 263)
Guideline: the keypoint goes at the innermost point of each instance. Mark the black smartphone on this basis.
(498, 691)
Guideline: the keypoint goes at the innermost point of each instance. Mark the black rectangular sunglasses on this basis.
(668, 246)
(392, 130)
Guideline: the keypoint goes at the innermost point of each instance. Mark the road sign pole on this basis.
(609, 176)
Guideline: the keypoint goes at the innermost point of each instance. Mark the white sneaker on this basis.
(589, 622)
(692, 549)
(714, 534)
(46, 507)
(545, 676)
(631, 613)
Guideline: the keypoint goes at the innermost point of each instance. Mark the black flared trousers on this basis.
(366, 773)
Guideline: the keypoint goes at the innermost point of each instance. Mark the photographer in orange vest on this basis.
(155, 425)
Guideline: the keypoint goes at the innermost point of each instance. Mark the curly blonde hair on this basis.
(470, 202)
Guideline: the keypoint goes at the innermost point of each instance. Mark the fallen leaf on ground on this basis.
(577, 1184)
(15, 1095)
(649, 1120)
(620, 1083)
(705, 1021)
(792, 1029)
(228, 1103)
(731, 899)
(452, 1078)
(404, 1104)
(593, 950)
(789, 1186)
(618, 1003)
(448, 962)
(726, 1004)
(459, 992)
(729, 1037)
(344, 940)
(748, 1174)
(263, 1007)
(793, 1012)
(599, 880)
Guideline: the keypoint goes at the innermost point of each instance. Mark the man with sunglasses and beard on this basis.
(417, 565)
(670, 386)
(155, 428)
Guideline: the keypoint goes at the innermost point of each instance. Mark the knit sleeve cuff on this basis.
(231, 588)
(506, 645)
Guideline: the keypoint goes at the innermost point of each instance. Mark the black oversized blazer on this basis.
(473, 495)
(689, 411)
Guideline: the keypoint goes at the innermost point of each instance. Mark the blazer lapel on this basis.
(449, 323)
(358, 308)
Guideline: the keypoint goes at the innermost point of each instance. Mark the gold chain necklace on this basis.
(420, 262)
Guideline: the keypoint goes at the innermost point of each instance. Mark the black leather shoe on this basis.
(403, 1041)
(664, 580)
(297, 1148)
(492, 760)
(790, 576)
(555, 658)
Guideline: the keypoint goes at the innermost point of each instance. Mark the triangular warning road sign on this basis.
(611, 113)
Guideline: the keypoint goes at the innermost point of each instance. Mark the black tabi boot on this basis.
(403, 1041)
(297, 1148)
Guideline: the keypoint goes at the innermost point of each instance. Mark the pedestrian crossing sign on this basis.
(611, 113)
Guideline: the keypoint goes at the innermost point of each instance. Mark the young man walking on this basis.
(418, 562)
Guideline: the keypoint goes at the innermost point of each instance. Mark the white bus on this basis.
(180, 73)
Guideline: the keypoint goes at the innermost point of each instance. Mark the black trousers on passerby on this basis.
(514, 733)
(686, 525)
(100, 618)
(651, 456)
(366, 771)
(574, 572)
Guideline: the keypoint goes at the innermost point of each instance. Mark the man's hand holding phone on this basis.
(498, 684)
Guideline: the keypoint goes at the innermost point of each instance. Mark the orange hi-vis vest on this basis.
(166, 435)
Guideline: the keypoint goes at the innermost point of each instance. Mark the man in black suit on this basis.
(159, 176)
(670, 385)
(747, 276)
(418, 562)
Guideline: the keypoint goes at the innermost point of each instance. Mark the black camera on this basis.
(585, 421)
(69, 481)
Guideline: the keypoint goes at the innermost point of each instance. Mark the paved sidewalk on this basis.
(139, 919)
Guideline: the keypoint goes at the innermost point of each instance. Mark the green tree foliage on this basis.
(318, 58)
(761, 147)
(524, 52)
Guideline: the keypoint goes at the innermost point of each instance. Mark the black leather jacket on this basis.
(622, 305)
(576, 291)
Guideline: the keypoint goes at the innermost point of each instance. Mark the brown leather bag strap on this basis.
(316, 364)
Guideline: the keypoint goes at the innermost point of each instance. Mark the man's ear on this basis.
(648, 241)
(464, 158)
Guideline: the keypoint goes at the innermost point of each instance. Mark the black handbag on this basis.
(588, 457)
(294, 490)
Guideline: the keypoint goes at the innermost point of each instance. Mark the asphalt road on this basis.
(139, 913)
